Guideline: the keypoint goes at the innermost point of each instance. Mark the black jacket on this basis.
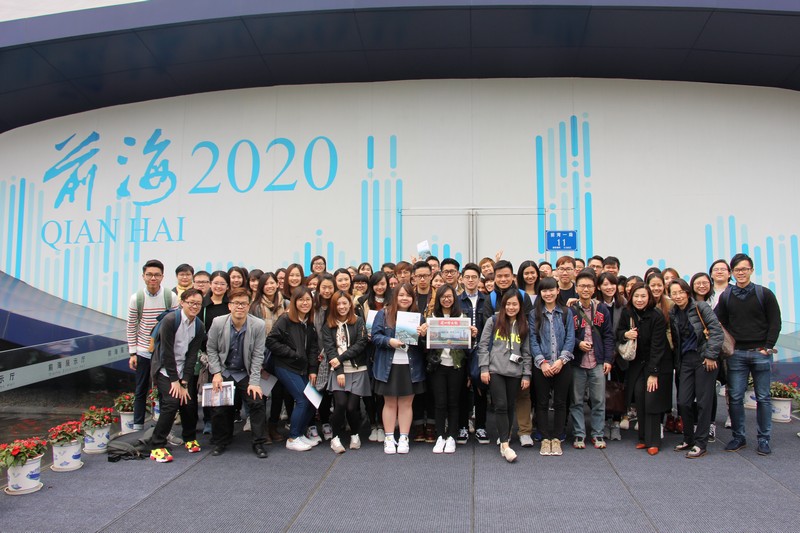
(356, 352)
(294, 345)
(708, 349)
(164, 354)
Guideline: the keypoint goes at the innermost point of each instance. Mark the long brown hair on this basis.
(390, 310)
(504, 324)
(333, 313)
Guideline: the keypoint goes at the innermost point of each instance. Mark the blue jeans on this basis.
(593, 380)
(303, 410)
(740, 364)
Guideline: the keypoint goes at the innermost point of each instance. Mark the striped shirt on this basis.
(138, 331)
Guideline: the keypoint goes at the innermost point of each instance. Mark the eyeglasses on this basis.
(153, 276)
(719, 269)
(469, 277)
(582, 287)
(742, 270)
(193, 304)
(422, 276)
(239, 305)
(568, 269)
(449, 272)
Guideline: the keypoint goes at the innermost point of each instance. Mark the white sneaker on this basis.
(389, 446)
(313, 434)
(306, 440)
(526, 441)
(246, 424)
(402, 446)
(381, 434)
(439, 446)
(174, 440)
(624, 423)
(728, 424)
(355, 442)
(327, 431)
(508, 454)
(373, 434)
(297, 445)
(450, 445)
(336, 445)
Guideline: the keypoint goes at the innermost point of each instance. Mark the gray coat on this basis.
(496, 360)
(708, 349)
(219, 340)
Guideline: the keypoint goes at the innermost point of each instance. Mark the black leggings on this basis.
(280, 398)
(374, 405)
(349, 404)
(447, 382)
(504, 398)
(560, 384)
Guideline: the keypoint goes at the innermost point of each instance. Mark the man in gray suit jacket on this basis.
(235, 348)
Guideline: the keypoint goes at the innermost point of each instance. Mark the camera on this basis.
(515, 358)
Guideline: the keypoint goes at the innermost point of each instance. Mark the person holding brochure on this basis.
(179, 339)
(552, 338)
(236, 353)
(344, 337)
(504, 357)
(294, 346)
(447, 371)
(399, 367)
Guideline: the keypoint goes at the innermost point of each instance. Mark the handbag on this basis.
(728, 342)
(627, 349)
(615, 397)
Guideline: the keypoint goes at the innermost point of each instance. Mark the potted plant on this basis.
(96, 422)
(66, 440)
(782, 395)
(23, 459)
(124, 406)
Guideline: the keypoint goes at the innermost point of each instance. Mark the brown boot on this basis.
(273, 433)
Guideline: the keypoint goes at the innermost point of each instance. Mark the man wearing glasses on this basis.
(235, 347)
(449, 270)
(143, 310)
(179, 338)
(565, 273)
(752, 316)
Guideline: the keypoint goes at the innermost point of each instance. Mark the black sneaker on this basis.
(763, 447)
(463, 436)
(735, 445)
(481, 435)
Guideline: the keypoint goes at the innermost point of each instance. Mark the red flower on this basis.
(127, 396)
(116, 419)
(15, 450)
(92, 408)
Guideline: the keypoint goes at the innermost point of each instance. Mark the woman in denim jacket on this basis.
(551, 347)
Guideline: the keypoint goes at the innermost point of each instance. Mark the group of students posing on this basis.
(542, 337)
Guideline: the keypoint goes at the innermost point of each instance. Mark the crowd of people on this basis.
(550, 344)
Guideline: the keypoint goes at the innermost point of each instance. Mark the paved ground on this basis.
(619, 489)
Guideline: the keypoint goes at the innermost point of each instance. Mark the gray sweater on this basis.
(495, 360)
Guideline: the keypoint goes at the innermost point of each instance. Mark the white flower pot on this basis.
(96, 439)
(782, 410)
(24, 479)
(67, 457)
(126, 422)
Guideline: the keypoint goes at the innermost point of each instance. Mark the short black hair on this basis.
(433, 258)
(184, 267)
(420, 264)
(738, 258)
(504, 264)
(202, 273)
(450, 261)
(153, 263)
(471, 266)
(586, 273)
(611, 261)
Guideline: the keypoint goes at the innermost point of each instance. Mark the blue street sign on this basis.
(559, 241)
